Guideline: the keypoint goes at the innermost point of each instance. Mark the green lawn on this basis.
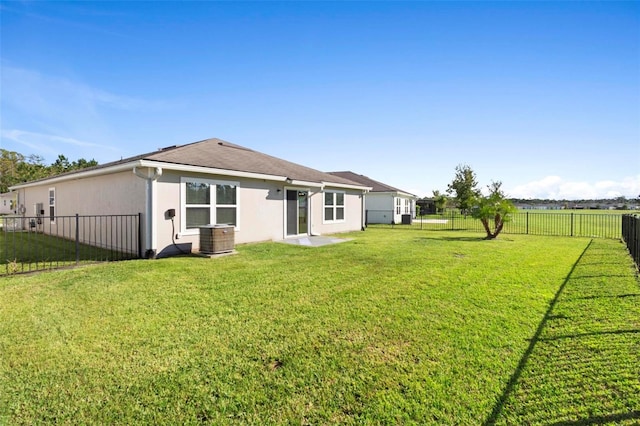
(576, 223)
(33, 251)
(391, 327)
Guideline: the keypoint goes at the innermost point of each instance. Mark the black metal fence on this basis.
(631, 235)
(569, 224)
(38, 243)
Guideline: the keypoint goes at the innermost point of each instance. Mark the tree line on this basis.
(17, 168)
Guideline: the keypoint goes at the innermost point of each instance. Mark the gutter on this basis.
(151, 175)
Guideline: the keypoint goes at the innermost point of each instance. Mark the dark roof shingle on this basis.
(218, 154)
(367, 181)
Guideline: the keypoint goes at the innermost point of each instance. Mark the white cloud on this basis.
(555, 187)
(51, 114)
(23, 86)
(44, 143)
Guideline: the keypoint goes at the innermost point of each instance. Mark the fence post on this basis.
(77, 238)
(139, 236)
(527, 223)
(572, 224)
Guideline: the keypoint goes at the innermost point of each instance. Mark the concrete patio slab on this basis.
(314, 241)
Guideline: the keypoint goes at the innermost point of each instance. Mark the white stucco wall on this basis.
(380, 207)
(118, 193)
(353, 213)
(115, 194)
(261, 212)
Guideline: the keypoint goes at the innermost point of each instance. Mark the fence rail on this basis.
(38, 243)
(567, 224)
(631, 236)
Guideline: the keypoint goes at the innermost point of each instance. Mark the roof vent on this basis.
(167, 148)
(230, 145)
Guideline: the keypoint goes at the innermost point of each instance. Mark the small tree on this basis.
(464, 187)
(439, 200)
(493, 209)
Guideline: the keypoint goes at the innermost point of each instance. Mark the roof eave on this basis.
(396, 193)
(347, 186)
(211, 170)
(79, 175)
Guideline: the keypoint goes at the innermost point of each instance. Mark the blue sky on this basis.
(544, 96)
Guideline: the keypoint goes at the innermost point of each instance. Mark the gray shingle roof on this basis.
(367, 181)
(219, 154)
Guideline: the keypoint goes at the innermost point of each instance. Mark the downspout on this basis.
(150, 175)
(363, 212)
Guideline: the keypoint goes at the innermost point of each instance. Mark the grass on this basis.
(33, 251)
(392, 327)
(584, 360)
(577, 223)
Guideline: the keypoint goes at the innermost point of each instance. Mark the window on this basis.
(398, 206)
(333, 206)
(206, 202)
(226, 204)
(52, 204)
(406, 206)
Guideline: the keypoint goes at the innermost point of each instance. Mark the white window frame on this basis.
(398, 205)
(52, 204)
(334, 206)
(213, 183)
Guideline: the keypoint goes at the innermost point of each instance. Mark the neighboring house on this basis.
(180, 188)
(427, 206)
(384, 203)
(7, 203)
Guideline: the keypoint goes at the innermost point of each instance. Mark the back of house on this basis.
(178, 190)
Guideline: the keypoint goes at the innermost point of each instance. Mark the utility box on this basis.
(406, 219)
(216, 239)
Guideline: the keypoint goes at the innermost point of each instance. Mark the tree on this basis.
(464, 187)
(9, 161)
(493, 208)
(440, 200)
(83, 164)
(62, 164)
(16, 168)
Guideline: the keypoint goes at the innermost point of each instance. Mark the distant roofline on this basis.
(388, 188)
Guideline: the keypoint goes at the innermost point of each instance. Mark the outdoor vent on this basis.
(215, 239)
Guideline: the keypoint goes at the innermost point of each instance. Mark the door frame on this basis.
(286, 211)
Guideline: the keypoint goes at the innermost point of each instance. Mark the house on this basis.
(427, 206)
(7, 203)
(178, 189)
(383, 203)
